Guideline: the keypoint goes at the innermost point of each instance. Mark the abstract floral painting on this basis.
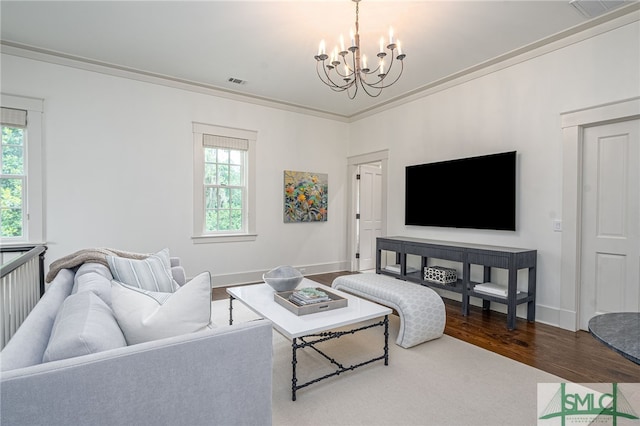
(305, 196)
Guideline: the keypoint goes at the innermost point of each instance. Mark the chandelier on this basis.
(347, 68)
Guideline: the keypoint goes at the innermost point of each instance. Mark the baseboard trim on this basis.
(249, 277)
(568, 320)
(548, 315)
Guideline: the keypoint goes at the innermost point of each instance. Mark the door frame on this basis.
(352, 194)
(573, 124)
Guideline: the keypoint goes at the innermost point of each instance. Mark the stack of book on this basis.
(308, 296)
(493, 289)
(396, 269)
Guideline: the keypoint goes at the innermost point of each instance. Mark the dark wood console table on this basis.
(511, 259)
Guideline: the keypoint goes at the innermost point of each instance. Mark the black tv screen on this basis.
(475, 192)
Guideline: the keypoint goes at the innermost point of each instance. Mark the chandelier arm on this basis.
(355, 92)
(354, 83)
(341, 88)
(399, 74)
(320, 75)
(348, 75)
(329, 81)
(366, 90)
(376, 85)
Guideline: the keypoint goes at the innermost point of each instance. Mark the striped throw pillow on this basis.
(151, 274)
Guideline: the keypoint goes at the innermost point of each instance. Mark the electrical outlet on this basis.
(557, 225)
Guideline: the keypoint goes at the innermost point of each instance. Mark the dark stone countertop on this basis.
(620, 331)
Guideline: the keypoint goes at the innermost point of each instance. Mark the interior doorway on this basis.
(368, 214)
(367, 207)
(577, 127)
(610, 234)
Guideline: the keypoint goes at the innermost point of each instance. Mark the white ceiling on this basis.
(271, 44)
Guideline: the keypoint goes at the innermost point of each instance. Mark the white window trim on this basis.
(199, 129)
(35, 190)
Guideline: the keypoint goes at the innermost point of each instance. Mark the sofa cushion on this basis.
(93, 267)
(95, 281)
(145, 315)
(179, 275)
(27, 346)
(84, 325)
(152, 273)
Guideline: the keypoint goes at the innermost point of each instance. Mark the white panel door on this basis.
(610, 260)
(370, 209)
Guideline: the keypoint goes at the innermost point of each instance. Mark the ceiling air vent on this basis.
(236, 80)
(593, 8)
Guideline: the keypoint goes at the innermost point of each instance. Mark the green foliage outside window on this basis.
(224, 188)
(12, 182)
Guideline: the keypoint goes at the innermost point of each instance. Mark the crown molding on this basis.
(58, 58)
(615, 19)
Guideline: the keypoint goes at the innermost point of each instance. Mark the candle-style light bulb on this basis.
(381, 44)
(399, 44)
(364, 62)
(353, 37)
(381, 66)
(321, 48)
(390, 35)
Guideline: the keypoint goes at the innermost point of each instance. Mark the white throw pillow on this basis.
(152, 273)
(146, 315)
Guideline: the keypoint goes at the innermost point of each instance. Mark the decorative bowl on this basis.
(283, 278)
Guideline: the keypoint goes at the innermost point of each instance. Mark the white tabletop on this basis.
(259, 298)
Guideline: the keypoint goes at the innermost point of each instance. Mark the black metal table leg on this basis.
(386, 340)
(294, 361)
(312, 339)
(231, 310)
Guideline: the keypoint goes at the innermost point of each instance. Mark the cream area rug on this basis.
(442, 382)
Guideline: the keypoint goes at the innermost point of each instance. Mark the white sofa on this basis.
(218, 376)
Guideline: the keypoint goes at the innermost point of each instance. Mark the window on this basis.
(21, 183)
(223, 184)
(14, 178)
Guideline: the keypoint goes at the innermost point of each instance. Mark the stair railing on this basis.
(21, 286)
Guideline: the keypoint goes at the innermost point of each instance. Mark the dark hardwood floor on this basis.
(576, 357)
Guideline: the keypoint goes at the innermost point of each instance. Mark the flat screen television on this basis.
(475, 192)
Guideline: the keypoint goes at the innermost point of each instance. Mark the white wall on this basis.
(119, 170)
(517, 108)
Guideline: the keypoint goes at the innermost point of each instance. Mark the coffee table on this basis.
(309, 330)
